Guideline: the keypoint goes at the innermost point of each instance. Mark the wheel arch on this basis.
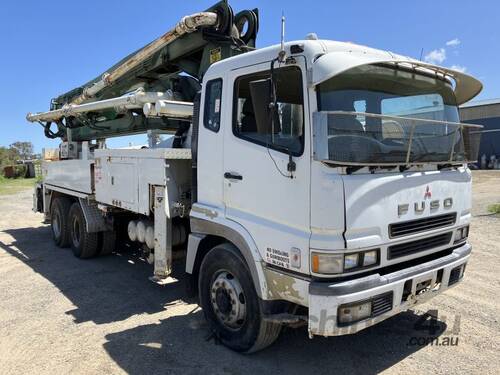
(206, 234)
(54, 194)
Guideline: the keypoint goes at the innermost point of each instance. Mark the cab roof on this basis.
(330, 58)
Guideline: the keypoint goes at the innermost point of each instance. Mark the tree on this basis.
(8, 156)
(23, 149)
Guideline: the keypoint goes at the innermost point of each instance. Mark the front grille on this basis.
(381, 304)
(408, 248)
(421, 225)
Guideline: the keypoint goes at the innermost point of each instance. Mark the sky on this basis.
(49, 47)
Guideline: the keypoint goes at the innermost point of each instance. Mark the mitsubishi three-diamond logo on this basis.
(428, 193)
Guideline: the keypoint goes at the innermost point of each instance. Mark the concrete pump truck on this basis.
(313, 182)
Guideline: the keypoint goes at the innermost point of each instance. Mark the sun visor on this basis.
(331, 64)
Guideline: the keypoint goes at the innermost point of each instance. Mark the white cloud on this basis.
(460, 68)
(453, 43)
(436, 56)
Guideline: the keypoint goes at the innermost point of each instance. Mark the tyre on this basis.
(83, 243)
(230, 302)
(107, 242)
(59, 221)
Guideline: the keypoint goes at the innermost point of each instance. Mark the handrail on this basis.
(411, 123)
(367, 114)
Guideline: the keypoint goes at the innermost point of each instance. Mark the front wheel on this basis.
(230, 302)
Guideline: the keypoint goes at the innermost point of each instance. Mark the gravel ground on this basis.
(60, 315)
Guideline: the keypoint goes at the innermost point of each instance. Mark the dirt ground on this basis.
(62, 315)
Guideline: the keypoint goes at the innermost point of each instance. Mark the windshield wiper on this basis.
(372, 168)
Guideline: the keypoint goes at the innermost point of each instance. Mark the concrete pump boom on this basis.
(188, 24)
(169, 70)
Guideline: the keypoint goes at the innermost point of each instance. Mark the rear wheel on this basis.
(59, 223)
(230, 302)
(83, 243)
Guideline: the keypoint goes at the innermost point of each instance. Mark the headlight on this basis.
(461, 234)
(370, 258)
(351, 261)
(329, 264)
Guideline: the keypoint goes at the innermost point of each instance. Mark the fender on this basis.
(233, 232)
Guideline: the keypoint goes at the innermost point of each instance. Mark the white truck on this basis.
(313, 182)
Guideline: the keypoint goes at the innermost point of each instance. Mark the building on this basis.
(486, 113)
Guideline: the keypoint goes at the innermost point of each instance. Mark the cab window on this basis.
(287, 134)
(213, 96)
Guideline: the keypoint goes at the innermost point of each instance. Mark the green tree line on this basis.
(16, 151)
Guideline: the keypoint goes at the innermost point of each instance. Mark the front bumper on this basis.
(391, 293)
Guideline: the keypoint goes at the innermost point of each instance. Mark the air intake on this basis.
(421, 225)
(409, 248)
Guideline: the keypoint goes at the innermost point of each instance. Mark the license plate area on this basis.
(419, 286)
(423, 286)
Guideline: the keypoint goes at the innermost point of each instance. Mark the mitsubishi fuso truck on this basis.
(313, 182)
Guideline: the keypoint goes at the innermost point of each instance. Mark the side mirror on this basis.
(263, 106)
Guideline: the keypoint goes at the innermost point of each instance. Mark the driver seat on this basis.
(248, 122)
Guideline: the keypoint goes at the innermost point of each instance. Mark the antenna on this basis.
(421, 53)
(282, 53)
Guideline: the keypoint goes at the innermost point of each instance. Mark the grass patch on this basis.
(494, 208)
(15, 185)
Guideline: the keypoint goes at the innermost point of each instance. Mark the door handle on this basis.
(233, 176)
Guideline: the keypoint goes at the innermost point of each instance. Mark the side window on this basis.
(213, 96)
(288, 133)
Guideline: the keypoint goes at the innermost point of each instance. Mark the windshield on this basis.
(380, 115)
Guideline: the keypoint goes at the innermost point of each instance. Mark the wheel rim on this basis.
(56, 224)
(228, 300)
(75, 233)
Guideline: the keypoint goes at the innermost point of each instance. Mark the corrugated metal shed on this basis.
(480, 110)
(486, 113)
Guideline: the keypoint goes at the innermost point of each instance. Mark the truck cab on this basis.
(354, 200)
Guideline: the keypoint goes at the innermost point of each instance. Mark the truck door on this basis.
(260, 193)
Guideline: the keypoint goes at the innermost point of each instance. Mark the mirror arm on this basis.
(291, 166)
(273, 85)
